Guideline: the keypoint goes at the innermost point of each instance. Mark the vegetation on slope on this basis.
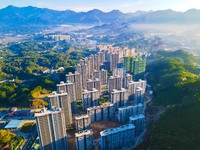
(178, 89)
(25, 62)
(9, 140)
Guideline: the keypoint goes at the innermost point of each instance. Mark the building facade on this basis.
(139, 95)
(90, 98)
(125, 112)
(61, 100)
(51, 130)
(82, 122)
(139, 122)
(69, 88)
(135, 65)
(84, 140)
(114, 83)
(103, 112)
(119, 97)
(118, 138)
(76, 78)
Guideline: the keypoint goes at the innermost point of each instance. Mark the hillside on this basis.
(32, 15)
(176, 88)
(12, 15)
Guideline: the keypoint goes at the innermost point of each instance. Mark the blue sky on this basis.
(107, 5)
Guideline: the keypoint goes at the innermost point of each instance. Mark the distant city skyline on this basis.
(124, 6)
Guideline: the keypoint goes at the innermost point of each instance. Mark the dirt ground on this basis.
(96, 127)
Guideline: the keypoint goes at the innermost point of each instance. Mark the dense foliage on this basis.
(170, 76)
(8, 139)
(27, 59)
(25, 62)
(38, 103)
(18, 94)
(178, 89)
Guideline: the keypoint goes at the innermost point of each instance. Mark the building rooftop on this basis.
(68, 82)
(70, 73)
(97, 79)
(115, 91)
(84, 132)
(123, 90)
(47, 112)
(107, 104)
(116, 130)
(81, 116)
(86, 91)
(131, 106)
(93, 108)
(89, 80)
(55, 94)
(13, 124)
(61, 83)
(139, 89)
(141, 116)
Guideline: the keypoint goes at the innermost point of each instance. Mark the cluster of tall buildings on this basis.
(85, 85)
(131, 115)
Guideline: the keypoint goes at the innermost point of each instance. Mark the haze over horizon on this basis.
(86, 5)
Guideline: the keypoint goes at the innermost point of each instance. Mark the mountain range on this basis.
(12, 15)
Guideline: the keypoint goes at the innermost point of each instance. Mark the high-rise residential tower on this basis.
(51, 130)
(77, 80)
(114, 83)
(83, 70)
(69, 88)
(119, 97)
(82, 122)
(61, 100)
(90, 98)
(84, 140)
(118, 138)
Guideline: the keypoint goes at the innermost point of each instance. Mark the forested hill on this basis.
(176, 86)
(12, 15)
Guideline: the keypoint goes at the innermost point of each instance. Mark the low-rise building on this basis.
(13, 124)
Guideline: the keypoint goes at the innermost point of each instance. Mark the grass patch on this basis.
(79, 104)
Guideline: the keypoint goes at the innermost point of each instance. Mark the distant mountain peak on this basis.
(12, 15)
(11, 6)
(95, 11)
(116, 11)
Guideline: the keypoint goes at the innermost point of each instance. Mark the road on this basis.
(139, 139)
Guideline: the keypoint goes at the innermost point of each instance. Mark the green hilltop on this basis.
(176, 86)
